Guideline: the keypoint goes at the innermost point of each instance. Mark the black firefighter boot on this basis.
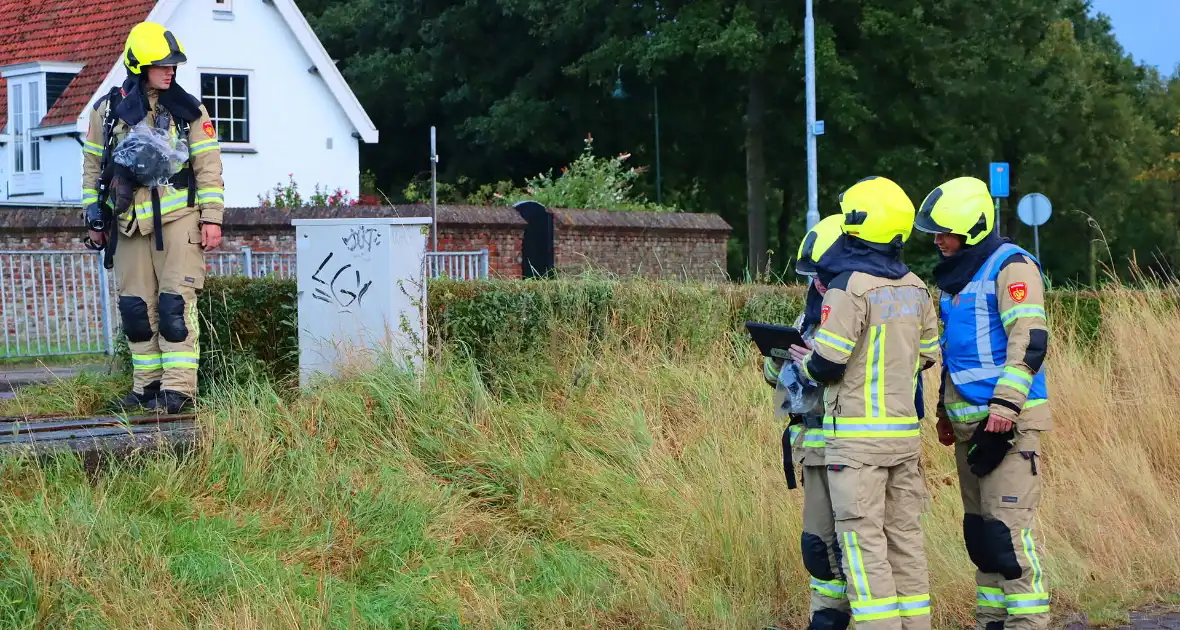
(829, 619)
(139, 401)
(171, 402)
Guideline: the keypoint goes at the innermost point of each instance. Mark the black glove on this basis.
(986, 450)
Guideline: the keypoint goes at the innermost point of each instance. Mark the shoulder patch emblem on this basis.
(1018, 291)
(823, 314)
(208, 127)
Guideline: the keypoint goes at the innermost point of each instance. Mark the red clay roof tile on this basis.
(91, 33)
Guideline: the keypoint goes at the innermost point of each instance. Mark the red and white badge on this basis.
(208, 127)
(1018, 291)
(823, 314)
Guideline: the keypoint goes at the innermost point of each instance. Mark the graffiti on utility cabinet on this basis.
(362, 240)
(344, 288)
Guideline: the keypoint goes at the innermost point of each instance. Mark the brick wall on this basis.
(654, 245)
(503, 247)
(461, 228)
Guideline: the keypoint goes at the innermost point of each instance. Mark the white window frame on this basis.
(226, 146)
(223, 9)
(27, 181)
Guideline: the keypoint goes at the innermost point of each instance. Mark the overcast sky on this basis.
(1148, 29)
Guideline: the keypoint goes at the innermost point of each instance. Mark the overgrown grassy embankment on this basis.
(608, 459)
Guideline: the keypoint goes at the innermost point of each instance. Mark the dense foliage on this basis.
(917, 90)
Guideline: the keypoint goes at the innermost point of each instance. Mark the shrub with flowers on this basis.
(589, 182)
(288, 196)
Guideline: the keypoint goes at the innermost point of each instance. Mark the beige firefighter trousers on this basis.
(883, 554)
(998, 530)
(158, 304)
(821, 555)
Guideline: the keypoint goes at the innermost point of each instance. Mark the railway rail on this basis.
(96, 438)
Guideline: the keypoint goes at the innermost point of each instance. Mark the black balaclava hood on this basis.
(850, 253)
(134, 105)
(812, 307)
(955, 272)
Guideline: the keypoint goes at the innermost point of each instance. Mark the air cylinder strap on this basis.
(157, 221)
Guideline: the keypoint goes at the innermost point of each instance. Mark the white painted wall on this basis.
(61, 172)
(296, 125)
(293, 115)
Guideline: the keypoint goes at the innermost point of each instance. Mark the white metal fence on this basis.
(55, 302)
(62, 302)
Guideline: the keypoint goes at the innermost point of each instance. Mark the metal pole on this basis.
(1037, 241)
(656, 96)
(997, 222)
(812, 169)
(433, 191)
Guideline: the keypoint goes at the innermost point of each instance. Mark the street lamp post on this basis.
(619, 94)
(813, 129)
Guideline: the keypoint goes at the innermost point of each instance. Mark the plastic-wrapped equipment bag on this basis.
(795, 393)
(152, 155)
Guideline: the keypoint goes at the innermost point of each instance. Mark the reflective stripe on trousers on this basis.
(1016, 604)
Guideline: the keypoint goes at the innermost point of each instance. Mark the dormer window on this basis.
(33, 88)
(24, 106)
(223, 9)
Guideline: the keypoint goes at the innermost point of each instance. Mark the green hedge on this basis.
(499, 322)
(244, 321)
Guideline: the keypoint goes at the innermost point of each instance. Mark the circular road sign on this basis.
(1034, 209)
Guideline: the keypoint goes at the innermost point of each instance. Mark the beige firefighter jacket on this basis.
(204, 159)
(875, 336)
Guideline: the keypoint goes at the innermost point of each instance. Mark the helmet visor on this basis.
(924, 223)
(924, 220)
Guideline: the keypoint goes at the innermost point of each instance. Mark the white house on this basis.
(278, 101)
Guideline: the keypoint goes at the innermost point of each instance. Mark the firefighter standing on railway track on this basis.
(878, 330)
(993, 401)
(152, 160)
(804, 445)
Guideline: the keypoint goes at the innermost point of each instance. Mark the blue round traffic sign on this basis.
(1034, 209)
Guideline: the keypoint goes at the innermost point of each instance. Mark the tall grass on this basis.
(625, 484)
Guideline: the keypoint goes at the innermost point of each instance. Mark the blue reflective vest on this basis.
(974, 342)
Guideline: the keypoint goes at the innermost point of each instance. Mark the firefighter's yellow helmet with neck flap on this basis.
(151, 44)
(877, 210)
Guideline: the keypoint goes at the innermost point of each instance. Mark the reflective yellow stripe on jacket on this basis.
(168, 203)
(874, 423)
(812, 438)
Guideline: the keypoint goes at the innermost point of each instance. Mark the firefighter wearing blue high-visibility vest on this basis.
(993, 402)
(803, 445)
(878, 329)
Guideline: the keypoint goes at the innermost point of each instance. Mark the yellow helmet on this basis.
(150, 44)
(961, 206)
(816, 242)
(877, 210)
